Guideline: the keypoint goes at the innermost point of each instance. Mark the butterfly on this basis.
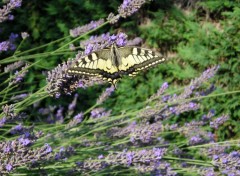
(113, 63)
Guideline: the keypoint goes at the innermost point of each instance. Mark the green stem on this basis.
(217, 143)
(190, 161)
(19, 46)
(81, 36)
(33, 49)
(39, 55)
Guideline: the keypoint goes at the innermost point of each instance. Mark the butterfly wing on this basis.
(135, 59)
(97, 64)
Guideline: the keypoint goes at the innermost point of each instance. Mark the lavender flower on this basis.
(128, 158)
(89, 165)
(25, 141)
(160, 169)
(209, 171)
(6, 10)
(16, 153)
(138, 133)
(13, 66)
(19, 75)
(59, 115)
(3, 121)
(181, 108)
(219, 121)
(160, 91)
(113, 18)
(44, 111)
(128, 7)
(4, 46)
(210, 114)
(195, 134)
(8, 110)
(96, 43)
(145, 133)
(60, 82)
(9, 167)
(9, 115)
(72, 106)
(178, 107)
(196, 140)
(196, 83)
(75, 121)
(99, 112)
(24, 35)
(134, 42)
(228, 163)
(8, 44)
(122, 132)
(105, 95)
(125, 158)
(19, 129)
(19, 97)
(64, 153)
(83, 29)
(214, 149)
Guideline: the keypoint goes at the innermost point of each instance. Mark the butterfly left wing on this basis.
(98, 64)
(135, 59)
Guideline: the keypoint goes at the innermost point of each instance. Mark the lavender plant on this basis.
(61, 138)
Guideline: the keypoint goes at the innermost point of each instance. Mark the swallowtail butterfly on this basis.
(113, 63)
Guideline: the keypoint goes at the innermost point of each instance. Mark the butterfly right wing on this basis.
(136, 59)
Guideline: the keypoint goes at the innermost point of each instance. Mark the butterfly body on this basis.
(113, 63)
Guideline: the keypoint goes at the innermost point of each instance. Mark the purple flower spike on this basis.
(47, 148)
(96, 43)
(227, 163)
(24, 142)
(10, 17)
(83, 29)
(13, 66)
(4, 46)
(72, 106)
(16, 3)
(100, 157)
(6, 10)
(99, 112)
(19, 75)
(195, 140)
(60, 82)
(9, 167)
(105, 95)
(219, 121)
(77, 119)
(88, 49)
(128, 7)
